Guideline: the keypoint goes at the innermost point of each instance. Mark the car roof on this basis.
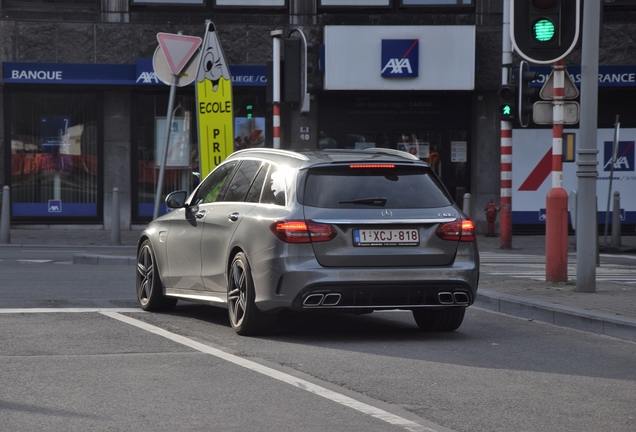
(303, 159)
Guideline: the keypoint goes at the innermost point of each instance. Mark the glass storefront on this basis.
(182, 163)
(435, 128)
(55, 155)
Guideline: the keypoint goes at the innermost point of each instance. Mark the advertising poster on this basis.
(532, 173)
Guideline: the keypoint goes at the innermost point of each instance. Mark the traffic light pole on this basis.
(556, 227)
(505, 200)
(276, 36)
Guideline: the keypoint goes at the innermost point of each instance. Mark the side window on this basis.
(209, 190)
(274, 188)
(242, 181)
(254, 194)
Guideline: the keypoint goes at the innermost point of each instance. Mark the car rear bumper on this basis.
(299, 282)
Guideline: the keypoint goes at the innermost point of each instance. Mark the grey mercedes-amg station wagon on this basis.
(341, 230)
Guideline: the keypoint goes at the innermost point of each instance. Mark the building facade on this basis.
(83, 111)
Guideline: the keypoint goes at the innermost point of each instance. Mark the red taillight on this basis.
(302, 232)
(458, 230)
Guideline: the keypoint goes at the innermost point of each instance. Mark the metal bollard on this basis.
(5, 223)
(616, 220)
(466, 204)
(115, 232)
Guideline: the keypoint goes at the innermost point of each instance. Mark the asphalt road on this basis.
(88, 359)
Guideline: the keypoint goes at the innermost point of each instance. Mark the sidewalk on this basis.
(611, 310)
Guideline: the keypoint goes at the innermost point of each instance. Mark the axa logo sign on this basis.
(624, 156)
(147, 78)
(400, 58)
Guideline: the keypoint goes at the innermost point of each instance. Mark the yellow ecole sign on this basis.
(214, 104)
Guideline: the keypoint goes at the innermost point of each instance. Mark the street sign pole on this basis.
(178, 50)
(166, 141)
(556, 229)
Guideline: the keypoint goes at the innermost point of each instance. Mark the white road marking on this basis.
(35, 260)
(67, 310)
(272, 373)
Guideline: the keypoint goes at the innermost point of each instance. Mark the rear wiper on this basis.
(368, 201)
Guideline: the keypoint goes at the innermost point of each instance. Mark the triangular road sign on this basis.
(178, 49)
(569, 89)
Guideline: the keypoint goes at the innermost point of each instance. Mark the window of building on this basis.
(55, 150)
(149, 111)
(436, 2)
(169, 2)
(250, 3)
(52, 4)
(149, 129)
(349, 3)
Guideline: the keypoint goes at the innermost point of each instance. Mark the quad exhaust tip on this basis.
(461, 298)
(448, 298)
(315, 300)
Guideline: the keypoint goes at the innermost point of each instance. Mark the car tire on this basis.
(149, 286)
(439, 320)
(245, 318)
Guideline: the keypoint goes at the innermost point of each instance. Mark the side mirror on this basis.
(176, 200)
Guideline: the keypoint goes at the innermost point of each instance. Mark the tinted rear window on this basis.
(399, 187)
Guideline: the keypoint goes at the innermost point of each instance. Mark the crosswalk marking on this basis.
(532, 267)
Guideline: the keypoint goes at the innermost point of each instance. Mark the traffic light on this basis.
(545, 23)
(309, 67)
(544, 31)
(293, 70)
(526, 94)
(507, 99)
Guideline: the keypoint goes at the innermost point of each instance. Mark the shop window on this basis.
(52, 4)
(437, 2)
(249, 121)
(54, 155)
(251, 3)
(182, 163)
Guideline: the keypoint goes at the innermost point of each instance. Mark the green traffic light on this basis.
(506, 110)
(543, 30)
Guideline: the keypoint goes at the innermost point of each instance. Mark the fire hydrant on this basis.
(491, 216)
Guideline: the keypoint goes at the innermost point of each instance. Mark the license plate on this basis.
(386, 237)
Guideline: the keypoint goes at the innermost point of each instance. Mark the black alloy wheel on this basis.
(149, 287)
(245, 317)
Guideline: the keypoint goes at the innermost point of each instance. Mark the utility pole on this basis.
(586, 224)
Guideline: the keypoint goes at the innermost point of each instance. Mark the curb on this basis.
(104, 260)
(563, 316)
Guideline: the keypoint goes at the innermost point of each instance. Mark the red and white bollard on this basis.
(556, 208)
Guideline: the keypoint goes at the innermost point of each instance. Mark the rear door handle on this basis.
(233, 217)
(200, 214)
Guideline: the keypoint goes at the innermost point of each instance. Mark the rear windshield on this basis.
(398, 187)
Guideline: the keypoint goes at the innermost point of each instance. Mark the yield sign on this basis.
(178, 49)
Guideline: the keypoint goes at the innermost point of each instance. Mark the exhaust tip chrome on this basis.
(461, 298)
(331, 299)
(445, 298)
(313, 300)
